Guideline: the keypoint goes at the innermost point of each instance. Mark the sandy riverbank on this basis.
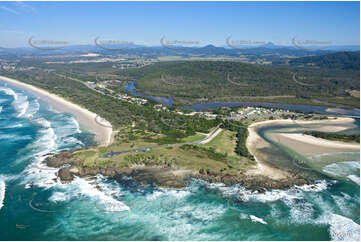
(256, 143)
(327, 125)
(88, 120)
(303, 144)
(308, 145)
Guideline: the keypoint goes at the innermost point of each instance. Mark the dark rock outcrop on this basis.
(166, 176)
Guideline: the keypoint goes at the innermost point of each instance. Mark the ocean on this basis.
(34, 205)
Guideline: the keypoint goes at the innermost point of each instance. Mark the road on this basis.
(205, 140)
(82, 82)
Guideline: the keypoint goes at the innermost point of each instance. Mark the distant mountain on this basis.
(343, 48)
(341, 60)
(210, 47)
(271, 45)
(269, 49)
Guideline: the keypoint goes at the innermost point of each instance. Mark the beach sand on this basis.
(308, 145)
(326, 125)
(303, 144)
(88, 120)
(255, 143)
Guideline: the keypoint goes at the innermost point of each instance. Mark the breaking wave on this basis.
(2, 193)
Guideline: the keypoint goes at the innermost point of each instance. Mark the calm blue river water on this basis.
(168, 101)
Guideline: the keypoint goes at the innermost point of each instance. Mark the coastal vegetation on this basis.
(200, 81)
(171, 125)
(217, 157)
(241, 134)
(335, 137)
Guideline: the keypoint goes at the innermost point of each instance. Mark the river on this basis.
(168, 101)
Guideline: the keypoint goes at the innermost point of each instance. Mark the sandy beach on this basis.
(327, 125)
(88, 120)
(304, 144)
(255, 143)
(308, 145)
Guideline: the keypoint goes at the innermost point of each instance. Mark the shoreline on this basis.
(254, 143)
(304, 144)
(86, 119)
(308, 145)
(263, 176)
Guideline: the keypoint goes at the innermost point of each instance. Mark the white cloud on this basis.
(25, 7)
(9, 10)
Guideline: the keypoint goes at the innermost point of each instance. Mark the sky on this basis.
(145, 23)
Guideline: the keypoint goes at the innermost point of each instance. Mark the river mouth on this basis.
(321, 165)
(169, 101)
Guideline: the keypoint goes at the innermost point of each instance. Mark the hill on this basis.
(199, 81)
(340, 60)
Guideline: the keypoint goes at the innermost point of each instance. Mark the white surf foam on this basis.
(58, 196)
(13, 126)
(85, 188)
(355, 179)
(75, 122)
(342, 169)
(2, 193)
(257, 220)
(37, 172)
(72, 140)
(43, 122)
(32, 109)
(316, 187)
(9, 92)
(268, 195)
(14, 137)
(21, 103)
(343, 229)
(346, 204)
(21, 107)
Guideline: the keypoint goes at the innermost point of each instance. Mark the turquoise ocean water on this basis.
(35, 206)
